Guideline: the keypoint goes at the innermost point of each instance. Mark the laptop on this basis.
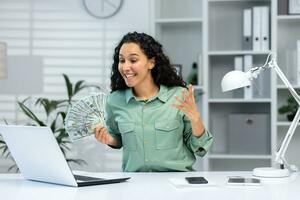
(40, 158)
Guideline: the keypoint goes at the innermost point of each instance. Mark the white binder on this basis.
(256, 36)
(247, 29)
(265, 36)
(248, 61)
(200, 69)
(238, 65)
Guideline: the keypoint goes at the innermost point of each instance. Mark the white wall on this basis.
(72, 42)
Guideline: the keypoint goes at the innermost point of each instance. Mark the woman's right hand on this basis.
(102, 135)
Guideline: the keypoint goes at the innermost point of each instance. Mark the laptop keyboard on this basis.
(87, 178)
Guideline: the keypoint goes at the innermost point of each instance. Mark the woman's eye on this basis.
(121, 60)
(133, 61)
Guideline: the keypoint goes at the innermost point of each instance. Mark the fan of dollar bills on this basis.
(84, 115)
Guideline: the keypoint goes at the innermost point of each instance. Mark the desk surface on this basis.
(155, 186)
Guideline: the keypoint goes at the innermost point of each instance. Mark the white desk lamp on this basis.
(237, 79)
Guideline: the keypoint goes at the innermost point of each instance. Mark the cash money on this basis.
(84, 115)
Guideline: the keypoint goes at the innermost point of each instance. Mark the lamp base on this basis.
(270, 172)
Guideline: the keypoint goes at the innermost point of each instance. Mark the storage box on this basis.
(249, 134)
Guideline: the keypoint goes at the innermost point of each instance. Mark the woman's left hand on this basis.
(189, 107)
(187, 104)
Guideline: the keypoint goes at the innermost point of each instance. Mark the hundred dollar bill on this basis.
(85, 115)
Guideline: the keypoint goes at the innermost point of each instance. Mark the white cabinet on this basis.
(214, 30)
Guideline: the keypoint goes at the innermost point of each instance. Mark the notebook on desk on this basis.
(40, 158)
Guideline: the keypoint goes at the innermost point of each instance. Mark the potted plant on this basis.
(55, 112)
(290, 108)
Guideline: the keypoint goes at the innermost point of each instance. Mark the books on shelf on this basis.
(256, 25)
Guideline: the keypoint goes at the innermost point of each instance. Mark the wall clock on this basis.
(102, 8)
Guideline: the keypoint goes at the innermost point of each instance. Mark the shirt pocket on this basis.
(167, 134)
(128, 135)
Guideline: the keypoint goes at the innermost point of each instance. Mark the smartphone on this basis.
(196, 180)
(243, 181)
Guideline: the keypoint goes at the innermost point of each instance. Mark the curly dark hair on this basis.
(163, 73)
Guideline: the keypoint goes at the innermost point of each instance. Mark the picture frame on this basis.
(294, 7)
(178, 68)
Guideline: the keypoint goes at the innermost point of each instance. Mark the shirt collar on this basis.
(162, 94)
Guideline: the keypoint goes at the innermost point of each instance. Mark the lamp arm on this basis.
(279, 157)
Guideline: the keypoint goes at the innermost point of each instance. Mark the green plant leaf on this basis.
(50, 105)
(30, 114)
(69, 87)
(78, 87)
(290, 108)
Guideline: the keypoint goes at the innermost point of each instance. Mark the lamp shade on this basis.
(235, 79)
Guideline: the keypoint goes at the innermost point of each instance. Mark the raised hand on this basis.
(187, 104)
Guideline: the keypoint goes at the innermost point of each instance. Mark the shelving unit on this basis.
(213, 28)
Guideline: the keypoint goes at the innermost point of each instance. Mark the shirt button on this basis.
(145, 142)
(146, 160)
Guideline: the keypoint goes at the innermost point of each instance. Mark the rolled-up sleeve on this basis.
(198, 145)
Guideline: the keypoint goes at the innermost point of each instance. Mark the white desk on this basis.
(155, 186)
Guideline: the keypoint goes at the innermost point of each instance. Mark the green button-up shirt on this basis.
(154, 135)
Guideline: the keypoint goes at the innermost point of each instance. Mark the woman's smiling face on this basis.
(134, 66)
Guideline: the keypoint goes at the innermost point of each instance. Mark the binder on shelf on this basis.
(248, 60)
(238, 65)
(265, 24)
(298, 62)
(200, 69)
(247, 29)
(256, 37)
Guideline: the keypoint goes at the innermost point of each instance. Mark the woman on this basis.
(150, 112)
